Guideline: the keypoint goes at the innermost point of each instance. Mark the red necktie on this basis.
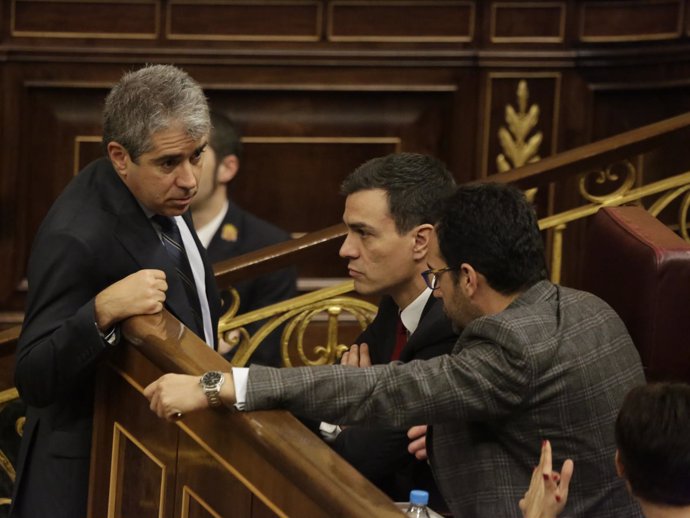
(400, 340)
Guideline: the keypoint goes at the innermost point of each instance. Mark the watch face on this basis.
(211, 378)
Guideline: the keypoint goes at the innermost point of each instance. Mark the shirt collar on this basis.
(209, 230)
(412, 314)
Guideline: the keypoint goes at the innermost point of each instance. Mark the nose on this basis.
(186, 176)
(437, 293)
(348, 249)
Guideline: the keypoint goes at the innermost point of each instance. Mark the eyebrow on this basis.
(359, 226)
(177, 156)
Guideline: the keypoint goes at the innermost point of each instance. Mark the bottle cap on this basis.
(419, 497)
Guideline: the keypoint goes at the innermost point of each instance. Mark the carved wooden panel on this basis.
(300, 145)
(279, 20)
(630, 20)
(128, 19)
(401, 20)
(285, 187)
(87, 148)
(140, 459)
(198, 477)
(137, 478)
(527, 22)
(616, 108)
(58, 119)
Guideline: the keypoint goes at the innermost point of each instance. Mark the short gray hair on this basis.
(151, 99)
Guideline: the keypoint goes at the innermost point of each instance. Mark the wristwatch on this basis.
(210, 383)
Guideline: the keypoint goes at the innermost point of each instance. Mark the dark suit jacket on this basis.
(555, 364)
(247, 234)
(94, 235)
(380, 453)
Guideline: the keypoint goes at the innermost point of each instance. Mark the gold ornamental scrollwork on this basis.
(683, 217)
(297, 321)
(518, 149)
(362, 311)
(326, 304)
(232, 336)
(661, 203)
(609, 175)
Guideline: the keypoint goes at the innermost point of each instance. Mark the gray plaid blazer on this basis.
(554, 365)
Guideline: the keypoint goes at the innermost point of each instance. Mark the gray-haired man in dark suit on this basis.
(100, 257)
(534, 361)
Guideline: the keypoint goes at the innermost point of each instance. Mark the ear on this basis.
(468, 279)
(227, 169)
(620, 470)
(422, 238)
(119, 157)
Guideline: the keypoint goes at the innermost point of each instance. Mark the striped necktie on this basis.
(172, 241)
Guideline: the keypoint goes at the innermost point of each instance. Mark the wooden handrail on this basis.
(10, 336)
(274, 256)
(589, 156)
(332, 484)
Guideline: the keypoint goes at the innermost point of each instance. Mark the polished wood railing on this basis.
(599, 154)
(213, 463)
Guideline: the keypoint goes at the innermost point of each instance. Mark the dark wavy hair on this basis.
(415, 185)
(653, 438)
(493, 228)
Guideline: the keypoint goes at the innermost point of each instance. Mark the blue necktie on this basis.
(172, 240)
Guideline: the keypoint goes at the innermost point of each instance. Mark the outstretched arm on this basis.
(173, 395)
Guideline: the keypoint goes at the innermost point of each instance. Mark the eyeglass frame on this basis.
(432, 275)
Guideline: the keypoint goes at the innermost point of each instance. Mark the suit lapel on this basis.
(137, 235)
(427, 330)
(388, 311)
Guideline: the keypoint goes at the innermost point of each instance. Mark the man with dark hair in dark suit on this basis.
(390, 208)
(227, 230)
(117, 242)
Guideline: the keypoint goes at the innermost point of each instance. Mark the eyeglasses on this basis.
(432, 276)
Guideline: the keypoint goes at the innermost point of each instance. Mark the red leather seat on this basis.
(642, 269)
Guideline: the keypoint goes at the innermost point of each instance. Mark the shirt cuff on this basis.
(329, 431)
(112, 337)
(239, 378)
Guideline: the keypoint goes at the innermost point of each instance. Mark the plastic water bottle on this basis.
(418, 504)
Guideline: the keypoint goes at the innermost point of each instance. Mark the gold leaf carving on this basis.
(518, 147)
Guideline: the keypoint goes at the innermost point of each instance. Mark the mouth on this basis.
(354, 273)
(182, 202)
